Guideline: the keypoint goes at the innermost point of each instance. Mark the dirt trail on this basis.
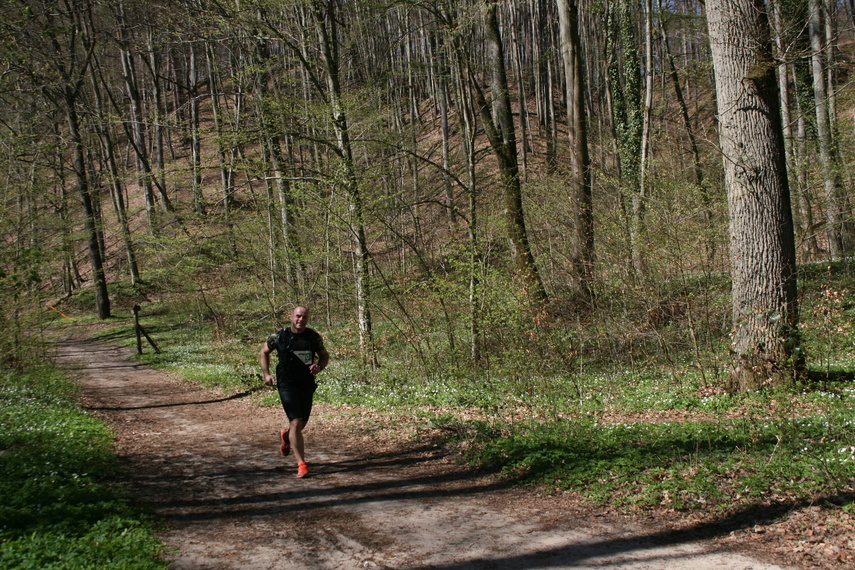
(209, 465)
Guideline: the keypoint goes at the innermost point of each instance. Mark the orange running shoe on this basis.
(302, 470)
(284, 442)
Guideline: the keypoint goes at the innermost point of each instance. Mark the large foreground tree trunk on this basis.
(763, 258)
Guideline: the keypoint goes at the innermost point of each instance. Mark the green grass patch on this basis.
(57, 509)
(683, 465)
(628, 428)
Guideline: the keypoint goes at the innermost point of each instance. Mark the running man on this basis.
(301, 357)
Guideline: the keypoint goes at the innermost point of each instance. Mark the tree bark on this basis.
(146, 176)
(765, 338)
(625, 84)
(644, 183)
(195, 137)
(99, 279)
(108, 156)
(835, 230)
(580, 161)
(501, 133)
(324, 14)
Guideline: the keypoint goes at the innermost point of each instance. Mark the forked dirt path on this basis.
(209, 465)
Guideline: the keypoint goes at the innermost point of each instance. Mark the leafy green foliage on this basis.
(20, 281)
(633, 423)
(56, 509)
(683, 465)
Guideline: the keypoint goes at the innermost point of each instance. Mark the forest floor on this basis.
(208, 465)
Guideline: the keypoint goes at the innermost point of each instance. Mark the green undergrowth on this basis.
(57, 507)
(632, 432)
(710, 465)
(632, 439)
(191, 350)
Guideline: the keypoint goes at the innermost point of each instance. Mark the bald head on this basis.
(299, 319)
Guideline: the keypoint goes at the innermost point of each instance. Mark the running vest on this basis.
(296, 353)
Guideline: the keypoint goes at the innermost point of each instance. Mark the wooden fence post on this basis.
(140, 330)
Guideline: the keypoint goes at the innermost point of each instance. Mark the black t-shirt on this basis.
(296, 351)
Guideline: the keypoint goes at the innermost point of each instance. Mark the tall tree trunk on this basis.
(137, 137)
(71, 275)
(802, 214)
(523, 104)
(469, 135)
(765, 337)
(293, 251)
(543, 79)
(446, 141)
(71, 47)
(698, 171)
(99, 279)
(805, 196)
(625, 85)
(325, 18)
(116, 188)
(501, 133)
(226, 170)
(275, 164)
(639, 205)
(580, 162)
(158, 107)
(195, 136)
(146, 176)
(835, 230)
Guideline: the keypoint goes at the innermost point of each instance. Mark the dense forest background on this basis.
(459, 187)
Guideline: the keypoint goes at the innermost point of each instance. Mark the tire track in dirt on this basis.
(208, 464)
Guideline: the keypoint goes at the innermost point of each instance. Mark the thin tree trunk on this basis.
(803, 217)
(324, 13)
(115, 179)
(226, 171)
(446, 138)
(501, 133)
(639, 208)
(158, 106)
(469, 134)
(272, 153)
(690, 132)
(806, 198)
(580, 162)
(624, 82)
(830, 10)
(137, 134)
(293, 250)
(70, 275)
(99, 279)
(147, 179)
(835, 230)
(195, 137)
(518, 66)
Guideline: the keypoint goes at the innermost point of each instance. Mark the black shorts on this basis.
(297, 403)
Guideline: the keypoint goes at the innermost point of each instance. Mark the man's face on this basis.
(299, 319)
